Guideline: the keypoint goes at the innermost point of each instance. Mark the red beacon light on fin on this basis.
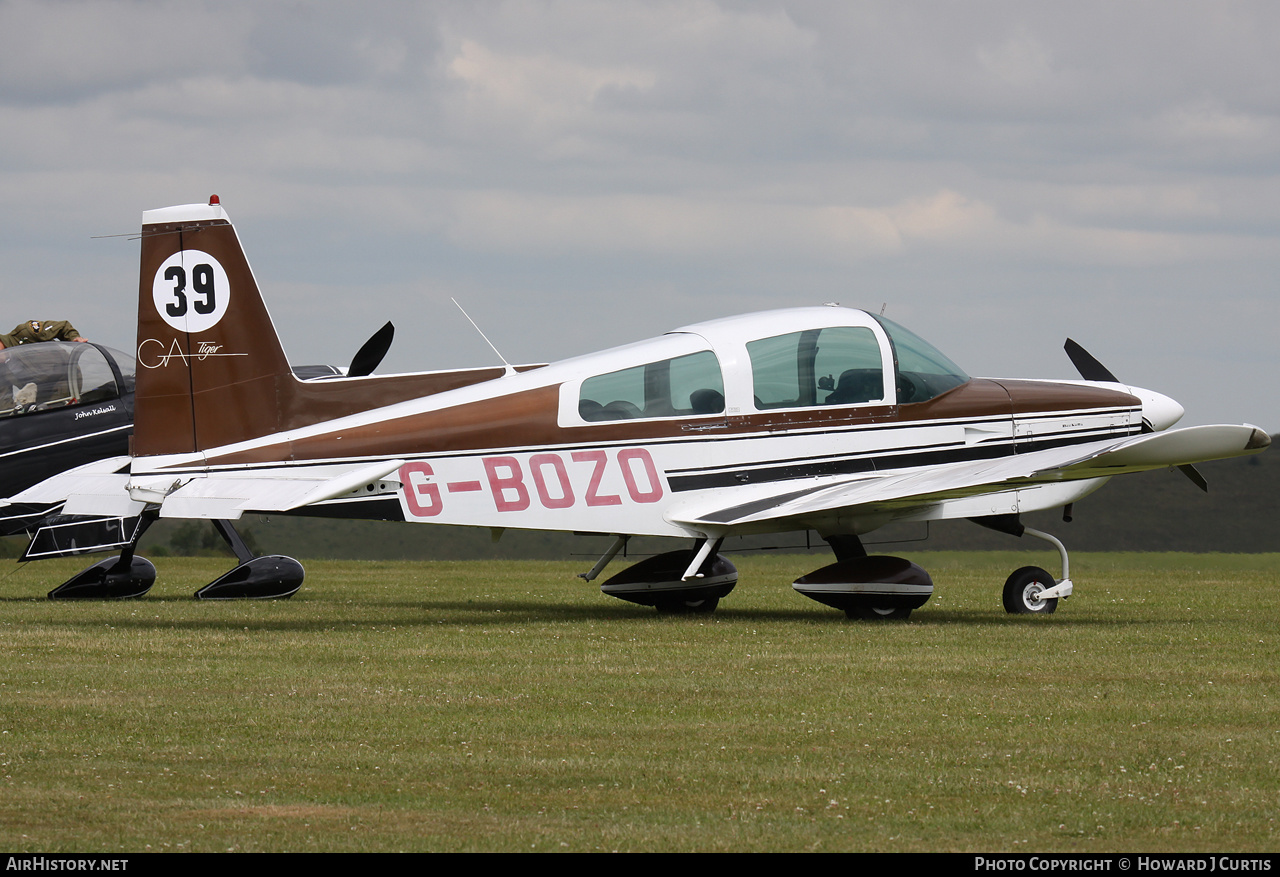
(213, 201)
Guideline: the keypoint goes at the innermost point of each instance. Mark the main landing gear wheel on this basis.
(116, 578)
(871, 613)
(687, 607)
(874, 588)
(1022, 592)
(657, 582)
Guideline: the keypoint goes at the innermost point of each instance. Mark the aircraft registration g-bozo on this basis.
(823, 418)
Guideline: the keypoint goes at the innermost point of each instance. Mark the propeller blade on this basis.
(369, 356)
(1194, 474)
(1090, 369)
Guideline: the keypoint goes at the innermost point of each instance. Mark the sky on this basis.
(997, 176)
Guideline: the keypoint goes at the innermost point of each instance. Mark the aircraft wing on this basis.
(890, 491)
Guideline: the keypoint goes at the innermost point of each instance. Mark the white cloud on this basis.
(62, 51)
(541, 83)
(1211, 123)
(1020, 62)
(946, 217)
(543, 99)
(669, 226)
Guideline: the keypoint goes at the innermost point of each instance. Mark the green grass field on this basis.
(510, 706)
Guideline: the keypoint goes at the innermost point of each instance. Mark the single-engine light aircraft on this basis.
(820, 418)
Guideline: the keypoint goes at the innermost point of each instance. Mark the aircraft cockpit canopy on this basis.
(847, 365)
(923, 371)
(834, 365)
(55, 374)
(798, 358)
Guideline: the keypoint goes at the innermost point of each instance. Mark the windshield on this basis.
(923, 372)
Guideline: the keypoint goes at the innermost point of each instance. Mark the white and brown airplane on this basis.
(821, 419)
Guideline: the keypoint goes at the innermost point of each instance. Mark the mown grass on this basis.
(510, 706)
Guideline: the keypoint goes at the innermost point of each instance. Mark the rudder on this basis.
(211, 369)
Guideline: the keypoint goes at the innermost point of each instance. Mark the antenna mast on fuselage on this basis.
(510, 368)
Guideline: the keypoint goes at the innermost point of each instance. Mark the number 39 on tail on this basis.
(823, 418)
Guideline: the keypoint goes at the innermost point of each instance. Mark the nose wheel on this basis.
(1023, 590)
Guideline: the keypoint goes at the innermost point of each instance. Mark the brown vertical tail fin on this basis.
(211, 370)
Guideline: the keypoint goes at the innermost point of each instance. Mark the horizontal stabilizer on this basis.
(106, 489)
(97, 488)
(227, 496)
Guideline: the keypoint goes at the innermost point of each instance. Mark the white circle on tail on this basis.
(191, 291)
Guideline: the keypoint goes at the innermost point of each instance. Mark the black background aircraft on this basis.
(62, 405)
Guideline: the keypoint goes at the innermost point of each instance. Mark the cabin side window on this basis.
(685, 386)
(840, 365)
